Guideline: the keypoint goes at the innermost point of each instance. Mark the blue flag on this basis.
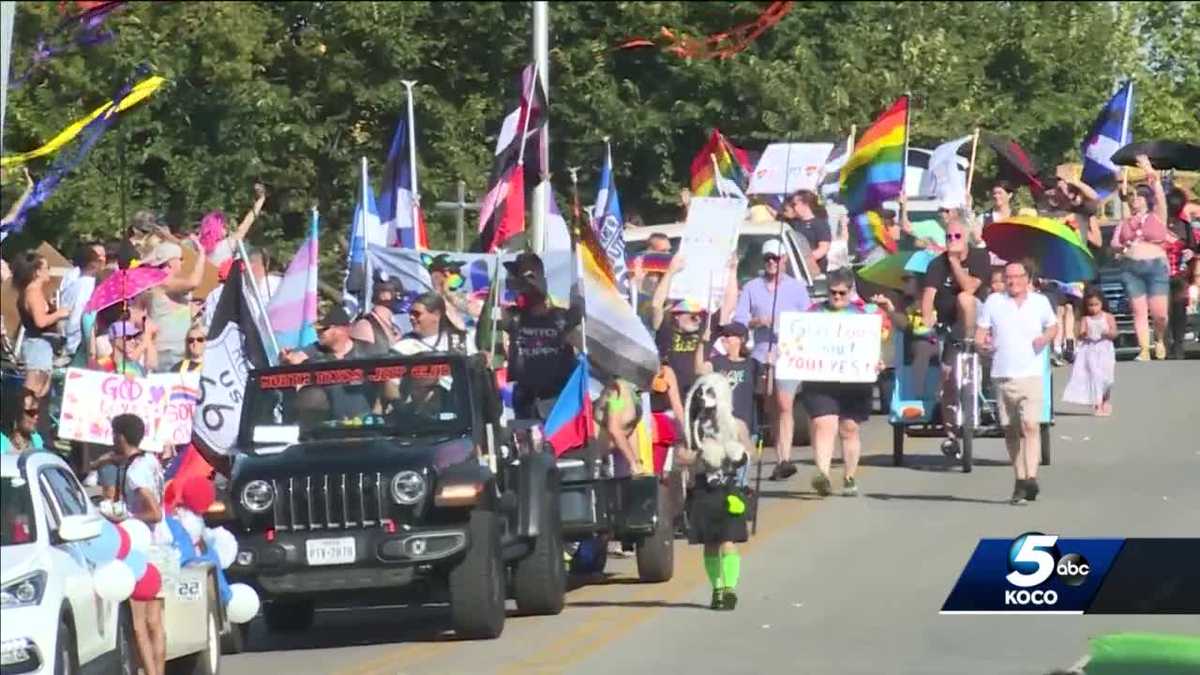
(1109, 133)
(609, 224)
(396, 198)
(368, 230)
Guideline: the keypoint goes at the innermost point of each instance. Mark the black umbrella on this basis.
(1162, 154)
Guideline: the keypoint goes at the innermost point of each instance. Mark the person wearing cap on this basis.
(375, 331)
(542, 339)
(334, 342)
(128, 350)
(733, 363)
(679, 337)
(761, 302)
(171, 302)
(442, 273)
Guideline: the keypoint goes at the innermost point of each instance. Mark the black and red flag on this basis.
(1015, 165)
(502, 214)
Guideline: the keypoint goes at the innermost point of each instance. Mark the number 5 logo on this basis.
(1031, 551)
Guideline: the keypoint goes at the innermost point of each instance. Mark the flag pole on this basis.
(1125, 138)
(368, 281)
(717, 174)
(527, 104)
(262, 308)
(971, 166)
(904, 159)
(412, 162)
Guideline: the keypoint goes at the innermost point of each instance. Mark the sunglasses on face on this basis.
(955, 236)
(196, 340)
(32, 412)
(838, 294)
(770, 257)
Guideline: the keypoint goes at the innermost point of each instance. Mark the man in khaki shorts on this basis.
(1016, 326)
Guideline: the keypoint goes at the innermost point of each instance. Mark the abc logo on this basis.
(1033, 559)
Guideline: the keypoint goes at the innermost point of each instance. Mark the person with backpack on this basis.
(375, 331)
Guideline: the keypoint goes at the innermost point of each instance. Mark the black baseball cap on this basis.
(336, 316)
(733, 330)
(529, 268)
(442, 263)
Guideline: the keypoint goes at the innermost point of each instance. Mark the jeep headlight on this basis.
(408, 487)
(24, 591)
(258, 496)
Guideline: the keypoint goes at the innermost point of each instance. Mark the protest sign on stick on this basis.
(183, 393)
(787, 167)
(91, 399)
(828, 347)
(708, 241)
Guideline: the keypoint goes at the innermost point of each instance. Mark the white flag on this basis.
(944, 179)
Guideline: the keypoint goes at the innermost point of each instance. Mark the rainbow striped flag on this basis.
(875, 172)
(293, 308)
(733, 162)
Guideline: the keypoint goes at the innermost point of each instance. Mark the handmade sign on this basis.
(91, 399)
(787, 167)
(183, 393)
(708, 241)
(828, 347)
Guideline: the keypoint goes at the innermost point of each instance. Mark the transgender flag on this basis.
(293, 308)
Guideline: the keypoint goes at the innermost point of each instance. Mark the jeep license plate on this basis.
(338, 551)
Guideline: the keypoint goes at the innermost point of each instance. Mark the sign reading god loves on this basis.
(827, 347)
(92, 398)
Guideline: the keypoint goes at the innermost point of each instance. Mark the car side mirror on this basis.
(80, 528)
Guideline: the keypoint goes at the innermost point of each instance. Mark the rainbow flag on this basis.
(733, 162)
(869, 228)
(293, 308)
(875, 171)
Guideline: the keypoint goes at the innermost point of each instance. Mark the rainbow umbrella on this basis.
(890, 270)
(1055, 246)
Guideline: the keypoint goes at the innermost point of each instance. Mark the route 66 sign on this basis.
(222, 383)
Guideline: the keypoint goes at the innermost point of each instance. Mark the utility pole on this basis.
(460, 207)
(541, 193)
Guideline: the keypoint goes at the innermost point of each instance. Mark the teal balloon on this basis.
(103, 548)
(136, 560)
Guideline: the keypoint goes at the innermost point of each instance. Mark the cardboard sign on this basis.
(183, 393)
(708, 241)
(91, 399)
(828, 347)
(787, 167)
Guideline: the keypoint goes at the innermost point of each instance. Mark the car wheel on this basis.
(656, 553)
(207, 661)
(477, 583)
(126, 652)
(540, 579)
(66, 661)
(289, 616)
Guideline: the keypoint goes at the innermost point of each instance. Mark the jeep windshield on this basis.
(356, 399)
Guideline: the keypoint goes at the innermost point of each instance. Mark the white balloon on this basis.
(224, 543)
(139, 534)
(191, 522)
(243, 603)
(113, 581)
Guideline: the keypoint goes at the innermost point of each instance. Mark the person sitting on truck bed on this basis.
(333, 341)
(541, 340)
(432, 330)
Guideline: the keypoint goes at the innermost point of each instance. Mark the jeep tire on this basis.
(477, 583)
(656, 553)
(539, 580)
(289, 616)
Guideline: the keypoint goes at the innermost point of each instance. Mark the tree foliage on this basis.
(251, 99)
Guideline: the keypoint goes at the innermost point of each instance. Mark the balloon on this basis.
(149, 585)
(243, 603)
(102, 548)
(137, 562)
(139, 534)
(191, 522)
(113, 581)
(198, 493)
(224, 543)
(126, 543)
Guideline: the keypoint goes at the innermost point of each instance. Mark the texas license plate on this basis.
(338, 551)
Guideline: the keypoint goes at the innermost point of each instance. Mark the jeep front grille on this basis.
(330, 501)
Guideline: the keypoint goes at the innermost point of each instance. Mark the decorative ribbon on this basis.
(88, 33)
(718, 45)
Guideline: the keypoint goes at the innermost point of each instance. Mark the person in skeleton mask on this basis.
(716, 447)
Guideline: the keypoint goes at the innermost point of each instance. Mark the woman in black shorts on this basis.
(837, 408)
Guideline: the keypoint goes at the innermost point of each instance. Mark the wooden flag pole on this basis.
(904, 158)
(971, 166)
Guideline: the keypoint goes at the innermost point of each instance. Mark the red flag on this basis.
(189, 464)
(512, 216)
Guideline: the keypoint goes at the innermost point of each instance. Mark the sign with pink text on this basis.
(828, 347)
(183, 393)
(91, 399)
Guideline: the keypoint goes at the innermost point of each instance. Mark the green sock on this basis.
(731, 563)
(712, 565)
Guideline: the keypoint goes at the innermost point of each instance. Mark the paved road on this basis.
(837, 585)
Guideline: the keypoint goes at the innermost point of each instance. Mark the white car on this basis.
(51, 620)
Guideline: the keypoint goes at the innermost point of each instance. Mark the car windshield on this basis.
(377, 398)
(16, 512)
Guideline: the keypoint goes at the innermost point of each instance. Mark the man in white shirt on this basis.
(77, 291)
(1017, 325)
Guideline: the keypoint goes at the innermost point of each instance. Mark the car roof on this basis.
(12, 463)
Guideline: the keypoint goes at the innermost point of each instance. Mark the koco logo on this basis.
(1033, 559)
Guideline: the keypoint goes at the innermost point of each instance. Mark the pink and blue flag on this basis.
(569, 424)
(293, 308)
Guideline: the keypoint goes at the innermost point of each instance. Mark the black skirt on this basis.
(709, 519)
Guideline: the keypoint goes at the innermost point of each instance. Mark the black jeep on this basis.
(382, 480)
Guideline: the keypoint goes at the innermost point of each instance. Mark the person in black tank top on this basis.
(735, 366)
